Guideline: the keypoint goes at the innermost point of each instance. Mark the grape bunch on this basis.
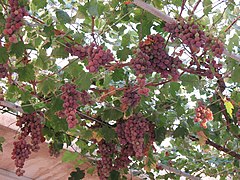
(130, 98)
(105, 165)
(122, 161)
(194, 37)
(14, 20)
(77, 50)
(85, 98)
(134, 131)
(31, 124)
(203, 115)
(70, 96)
(190, 34)
(98, 57)
(238, 116)
(142, 90)
(20, 153)
(161, 62)
(3, 70)
(141, 64)
(215, 45)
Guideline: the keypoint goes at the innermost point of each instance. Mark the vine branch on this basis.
(218, 147)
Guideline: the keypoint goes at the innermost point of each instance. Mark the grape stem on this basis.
(218, 147)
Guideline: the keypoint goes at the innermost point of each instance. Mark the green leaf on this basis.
(49, 30)
(160, 134)
(62, 16)
(114, 175)
(69, 156)
(207, 6)
(18, 49)
(4, 55)
(27, 107)
(108, 133)
(189, 81)
(93, 8)
(77, 175)
(229, 108)
(91, 170)
(48, 86)
(1, 141)
(26, 73)
(40, 3)
(59, 52)
(236, 74)
(118, 75)
(180, 132)
(84, 80)
(111, 114)
(177, 2)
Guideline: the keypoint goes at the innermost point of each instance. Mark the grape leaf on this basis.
(111, 114)
(77, 175)
(39, 3)
(229, 108)
(4, 55)
(69, 156)
(26, 73)
(62, 16)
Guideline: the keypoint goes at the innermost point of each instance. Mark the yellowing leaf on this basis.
(96, 136)
(229, 107)
(202, 138)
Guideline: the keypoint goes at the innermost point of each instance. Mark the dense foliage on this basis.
(133, 91)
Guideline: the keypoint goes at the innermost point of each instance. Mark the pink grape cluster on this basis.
(203, 115)
(141, 64)
(30, 124)
(14, 20)
(3, 70)
(194, 37)
(85, 98)
(142, 89)
(70, 96)
(161, 62)
(77, 50)
(130, 98)
(133, 132)
(215, 45)
(122, 161)
(105, 165)
(98, 57)
(20, 153)
(190, 34)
